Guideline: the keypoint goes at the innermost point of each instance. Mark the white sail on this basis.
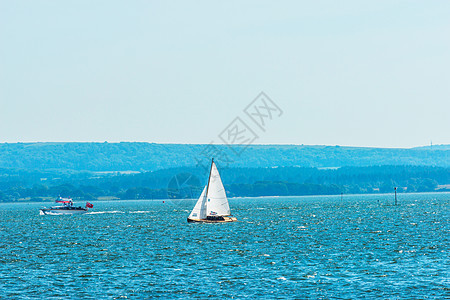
(199, 211)
(217, 202)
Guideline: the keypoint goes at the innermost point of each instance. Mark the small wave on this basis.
(310, 275)
(140, 212)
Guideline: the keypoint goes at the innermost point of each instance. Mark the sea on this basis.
(315, 247)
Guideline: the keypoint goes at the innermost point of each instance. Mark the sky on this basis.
(354, 73)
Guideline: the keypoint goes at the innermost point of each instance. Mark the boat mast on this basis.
(209, 178)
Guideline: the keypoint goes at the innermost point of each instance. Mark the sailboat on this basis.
(212, 206)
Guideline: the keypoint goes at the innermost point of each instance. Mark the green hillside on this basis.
(36, 171)
(150, 157)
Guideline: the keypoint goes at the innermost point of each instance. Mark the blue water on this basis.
(296, 247)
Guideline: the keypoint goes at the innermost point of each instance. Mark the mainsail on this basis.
(217, 202)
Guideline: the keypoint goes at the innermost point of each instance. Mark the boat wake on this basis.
(105, 212)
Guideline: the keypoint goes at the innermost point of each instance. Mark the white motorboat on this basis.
(66, 208)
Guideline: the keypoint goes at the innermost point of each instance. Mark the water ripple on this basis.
(304, 247)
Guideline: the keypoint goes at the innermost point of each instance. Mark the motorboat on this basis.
(67, 208)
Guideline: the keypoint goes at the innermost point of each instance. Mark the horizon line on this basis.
(220, 144)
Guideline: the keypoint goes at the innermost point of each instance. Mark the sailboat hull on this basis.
(226, 219)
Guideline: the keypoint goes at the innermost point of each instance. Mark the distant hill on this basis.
(149, 157)
(188, 182)
(37, 171)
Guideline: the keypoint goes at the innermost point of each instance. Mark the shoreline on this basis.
(235, 198)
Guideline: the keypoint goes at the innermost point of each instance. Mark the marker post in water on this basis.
(395, 193)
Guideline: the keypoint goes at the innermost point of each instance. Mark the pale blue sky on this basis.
(344, 72)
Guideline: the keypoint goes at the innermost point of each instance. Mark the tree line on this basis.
(151, 157)
(187, 182)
